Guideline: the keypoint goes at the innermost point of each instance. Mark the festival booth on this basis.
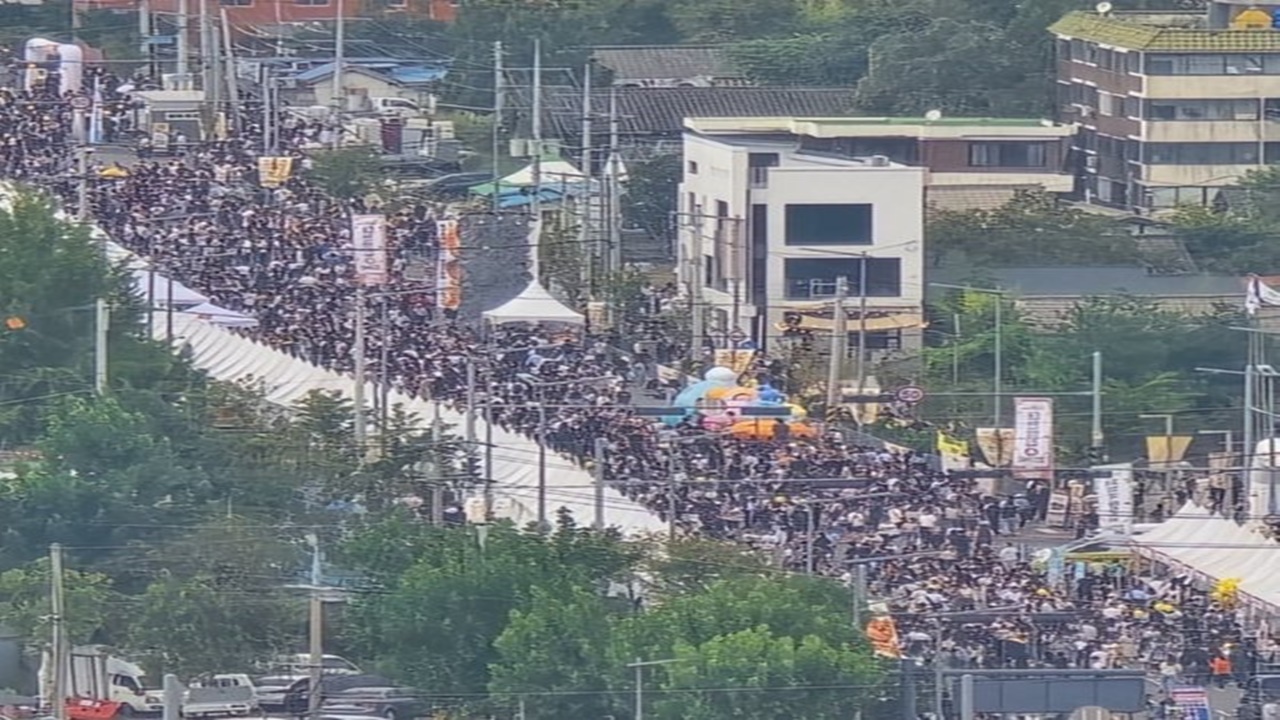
(1214, 549)
(534, 304)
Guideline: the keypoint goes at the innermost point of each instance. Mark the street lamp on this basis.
(639, 666)
(998, 372)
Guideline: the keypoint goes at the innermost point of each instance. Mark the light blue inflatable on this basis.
(688, 398)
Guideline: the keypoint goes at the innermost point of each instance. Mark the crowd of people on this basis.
(937, 548)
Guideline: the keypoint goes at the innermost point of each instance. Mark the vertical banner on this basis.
(1114, 493)
(274, 171)
(996, 445)
(953, 451)
(1033, 438)
(369, 243)
(882, 633)
(449, 266)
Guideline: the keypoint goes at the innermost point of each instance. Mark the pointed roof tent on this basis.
(534, 304)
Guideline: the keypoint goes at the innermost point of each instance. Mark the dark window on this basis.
(311, 2)
(816, 278)
(1202, 109)
(878, 340)
(236, 3)
(762, 160)
(1224, 153)
(1077, 50)
(693, 167)
(1064, 49)
(1133, 62)
(1008, 154)
(829, 224)
(1271, 153)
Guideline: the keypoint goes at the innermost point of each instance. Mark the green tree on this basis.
(91, 603)
(345, 173)
(1033, 229)
(559, 643)
(650, 198)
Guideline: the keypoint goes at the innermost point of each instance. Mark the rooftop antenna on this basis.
(933, 116)
(1103, 7)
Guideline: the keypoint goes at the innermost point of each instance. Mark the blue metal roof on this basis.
(396, 71)
(415, 74)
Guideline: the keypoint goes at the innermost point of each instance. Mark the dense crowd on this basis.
(931, 544)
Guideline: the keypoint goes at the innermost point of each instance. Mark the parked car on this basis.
(390, 703)
(283, 693)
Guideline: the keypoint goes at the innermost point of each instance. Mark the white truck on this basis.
(220, 695)
(100, 686)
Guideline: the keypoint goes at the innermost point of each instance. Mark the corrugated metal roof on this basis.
(665, 62)
(1031, 282)
(1118, 31)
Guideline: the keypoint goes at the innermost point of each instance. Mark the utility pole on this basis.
(82, 184)
(839, 336)
(315, 691)
(60, 652)
(586, 233)
(101, 334)
(615, 189)
(359, 363)
(537, 146)
(184, 43)
(206, 59)
(76, 21)
(229, 69)
(697, 310)
(496, 137)
(639, 666)
(437, 481)
(862, 322)
(1250, 444)
(339, 64)
(1096, 437)
(471, 406)
(996, 413)
(268, 109)
(601, 449)
(859, 594)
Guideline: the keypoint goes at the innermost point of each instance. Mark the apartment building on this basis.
(1173, 107)
(968, 162)
(770, 230)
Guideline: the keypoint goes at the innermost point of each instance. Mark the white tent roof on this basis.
(552, 171)
(164, 293)
(1216, 548)
(230, 357)
(534, 305)
(220, 316)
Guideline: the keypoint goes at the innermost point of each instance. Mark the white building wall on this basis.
(719, 171)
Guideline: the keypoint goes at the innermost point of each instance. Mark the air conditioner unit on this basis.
(879, 161)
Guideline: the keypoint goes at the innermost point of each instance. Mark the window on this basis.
(394, 4)
(1223, 153)
(693, 167)
(817, 278)
(1226, 64)
(829, 224)
(1008, 154)
(758, 165)
(236, 3)
(311, 2)
(1202, 110)
(1064, 49)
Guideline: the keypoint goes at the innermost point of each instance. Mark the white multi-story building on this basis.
(769, 230)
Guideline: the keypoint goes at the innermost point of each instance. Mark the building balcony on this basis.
(1208, 130)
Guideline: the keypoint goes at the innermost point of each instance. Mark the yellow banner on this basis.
(997, 445)
(954, 452)
(1167, 449)
(274, 171)
(737, 360)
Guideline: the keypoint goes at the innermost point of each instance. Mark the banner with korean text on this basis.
(369, 244)
(1033, 438)
(449, 265)
(1114, 494)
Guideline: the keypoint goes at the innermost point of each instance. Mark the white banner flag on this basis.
(1033, 437)
(369, 243)
(1114, 492)
(1259, 295)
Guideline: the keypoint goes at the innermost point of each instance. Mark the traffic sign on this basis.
(80, 102)
(737, 335)
(910, 394)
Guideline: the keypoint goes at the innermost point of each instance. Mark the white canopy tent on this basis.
(551, 172)
(286, 379)
(1214, 547)
(165, 292)
(534, 304)
(220, 316)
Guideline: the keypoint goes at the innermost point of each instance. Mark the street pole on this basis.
(999, 367)
(639, 666)
(809, 530)
(437, 482)
(184, 43)
(316, 632)
(586, 231)
(339, 63)
(697, 309)
(1246, 452)
(229, 71)
(1096, 436)
(966, 698)
(82, 188)
(542, 461)
(358, 360)
(600, 449)
(384, 362)
(839, 335)
(101, 335)
(859, 594)
(59, 653)
(614, 254)
(862, 322)
(471, 407)
(496, 134)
